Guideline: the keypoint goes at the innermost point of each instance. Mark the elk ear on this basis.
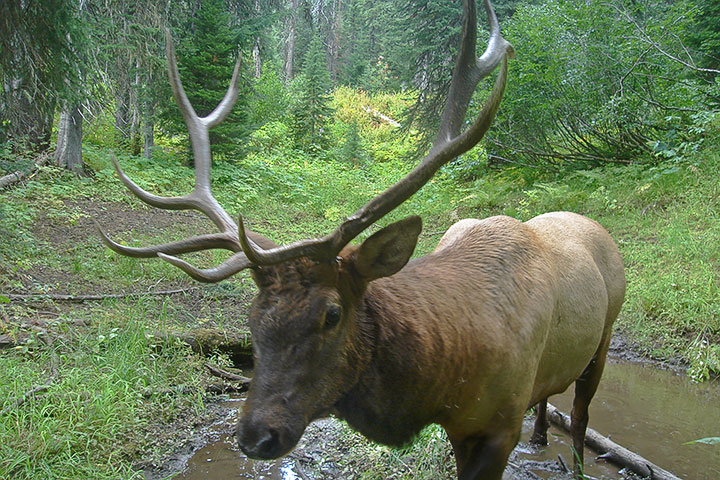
(387, 251)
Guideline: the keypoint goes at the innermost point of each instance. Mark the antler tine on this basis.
(226, 269)
(201, 197)
(194, 244)
(469, 70)
(199, 130)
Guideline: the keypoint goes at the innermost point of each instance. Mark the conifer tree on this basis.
(312, 110)
(207, 51)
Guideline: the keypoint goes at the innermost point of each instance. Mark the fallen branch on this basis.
(382, 117)
(225, 375)
(87, 298)
(611, 451)
(38, 388)
(19, 175)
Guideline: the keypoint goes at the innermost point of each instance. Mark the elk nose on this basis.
(262, 444)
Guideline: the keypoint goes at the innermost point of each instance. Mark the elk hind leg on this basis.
(585, 388)
(539, 436)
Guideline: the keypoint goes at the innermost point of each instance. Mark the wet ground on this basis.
(651, 411)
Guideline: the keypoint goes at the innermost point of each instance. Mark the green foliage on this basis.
(113, 382)
(40, 61)
(705, 35)
(706, 441)
(592, 83)
(352, 150)
(271, 137)
(383, 141)
(15, 155)
(270, 101)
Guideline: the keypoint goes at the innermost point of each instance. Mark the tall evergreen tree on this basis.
(37, 66)
(207, 50)
(312, 111)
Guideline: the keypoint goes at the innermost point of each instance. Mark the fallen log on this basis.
(611, 451)
(19, 175)
(206, 341)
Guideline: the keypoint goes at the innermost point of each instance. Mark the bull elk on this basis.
(501, 315)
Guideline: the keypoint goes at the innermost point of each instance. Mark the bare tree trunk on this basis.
(334, 40)
(134, 112)
(290, 45)
(256, 47)
(69, 143)
(149, 129)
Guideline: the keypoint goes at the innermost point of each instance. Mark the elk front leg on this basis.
(484, 457)
(539, 436)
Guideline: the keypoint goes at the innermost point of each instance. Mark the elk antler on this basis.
(200, 198)
(468, 71)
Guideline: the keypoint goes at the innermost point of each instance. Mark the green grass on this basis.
(114, 386)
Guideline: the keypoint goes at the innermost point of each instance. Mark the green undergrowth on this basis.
(114, 387)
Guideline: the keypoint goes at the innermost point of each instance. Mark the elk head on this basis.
(310, 342)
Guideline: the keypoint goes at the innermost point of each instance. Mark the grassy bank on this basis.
(115, 386)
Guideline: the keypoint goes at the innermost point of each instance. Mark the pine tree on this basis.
(312, 110)
(352, 150)
(207, 52)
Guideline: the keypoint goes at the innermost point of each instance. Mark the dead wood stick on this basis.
(379, 115)
(225, 375)
(611, 451)
(38, 388)
(86, 298)
(17, 176)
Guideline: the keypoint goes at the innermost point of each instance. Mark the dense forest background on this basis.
(595, 82)
(612, 110)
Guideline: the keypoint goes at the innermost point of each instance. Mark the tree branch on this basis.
(85, 298)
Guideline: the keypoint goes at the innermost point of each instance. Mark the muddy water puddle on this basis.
(652, 412)
(221, 459)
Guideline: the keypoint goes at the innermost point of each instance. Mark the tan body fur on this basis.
(500, 316)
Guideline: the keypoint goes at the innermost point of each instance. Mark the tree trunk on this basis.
(149, 129)
(69, 143)
(334, 40)
(290, 45)
(134, 112)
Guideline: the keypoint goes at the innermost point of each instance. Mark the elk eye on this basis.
(332, 316)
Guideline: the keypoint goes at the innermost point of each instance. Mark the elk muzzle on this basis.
(266, 434)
